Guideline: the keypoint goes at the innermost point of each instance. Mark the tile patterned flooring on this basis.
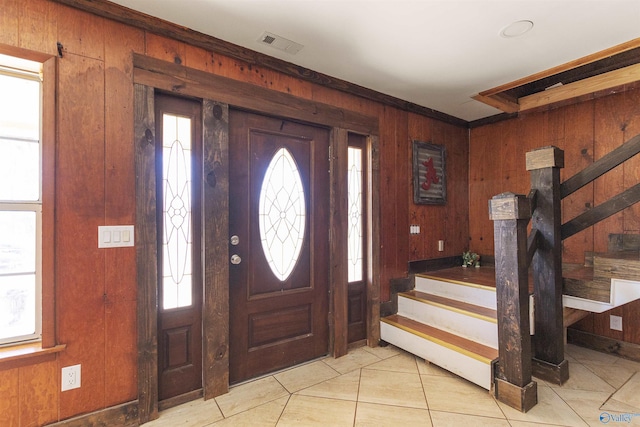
(385, 386)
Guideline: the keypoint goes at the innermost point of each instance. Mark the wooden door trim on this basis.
(151, 74)
(146, 252)
(191, 82)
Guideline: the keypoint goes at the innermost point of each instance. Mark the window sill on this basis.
(16, 356)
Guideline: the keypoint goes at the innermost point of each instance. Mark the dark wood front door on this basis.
(279, 226)
(178, 152)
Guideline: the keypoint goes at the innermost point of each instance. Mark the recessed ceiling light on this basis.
(516, 29)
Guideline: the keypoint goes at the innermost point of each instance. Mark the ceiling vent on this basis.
(280, 43)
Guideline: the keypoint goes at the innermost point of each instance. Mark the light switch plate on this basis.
(115, 236)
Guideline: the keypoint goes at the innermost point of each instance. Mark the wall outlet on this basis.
(70, 377)
(440, 245)
(615, 323)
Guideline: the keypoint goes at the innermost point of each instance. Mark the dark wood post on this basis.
(548, 342)
(512, 376)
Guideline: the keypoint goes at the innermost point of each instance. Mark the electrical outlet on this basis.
(615, 323)
(70, 377)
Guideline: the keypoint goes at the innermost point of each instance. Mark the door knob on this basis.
(235, 259)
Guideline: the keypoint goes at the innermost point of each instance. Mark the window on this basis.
(356, 217)
(20, 200)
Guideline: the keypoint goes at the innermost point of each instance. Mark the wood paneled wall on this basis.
(585, 131)
(95, 289)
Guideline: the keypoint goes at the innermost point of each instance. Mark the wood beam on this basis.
(623, 47)
(582, 87)
(601, 166)
(602, 211)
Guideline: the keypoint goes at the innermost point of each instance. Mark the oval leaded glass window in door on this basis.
(282, 214)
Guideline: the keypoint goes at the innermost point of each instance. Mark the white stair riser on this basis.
(470, 327)
(471, 294)
(460, 364)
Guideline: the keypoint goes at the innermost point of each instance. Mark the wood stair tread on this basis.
(462, 345)
(460, 306)
(484, 277)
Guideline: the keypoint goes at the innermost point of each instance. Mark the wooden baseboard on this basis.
(125, 415)
(623, 349)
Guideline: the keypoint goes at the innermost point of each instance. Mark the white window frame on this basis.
(7, 68)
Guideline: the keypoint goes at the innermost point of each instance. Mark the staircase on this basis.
(449, 323)
(449, 318)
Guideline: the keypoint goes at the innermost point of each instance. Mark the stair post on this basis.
(512, 375)
(548, 342)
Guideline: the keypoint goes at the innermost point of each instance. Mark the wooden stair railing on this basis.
(521, 357)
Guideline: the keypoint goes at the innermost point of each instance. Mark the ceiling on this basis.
(434, 53)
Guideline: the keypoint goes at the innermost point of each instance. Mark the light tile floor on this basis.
(386, 386)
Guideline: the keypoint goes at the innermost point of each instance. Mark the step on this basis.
(451, 284)
(463, 357)
(470, 321)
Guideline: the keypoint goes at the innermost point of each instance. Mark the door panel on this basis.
(178, 152)
(277, 320)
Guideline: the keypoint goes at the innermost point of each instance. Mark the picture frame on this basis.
(429, 174)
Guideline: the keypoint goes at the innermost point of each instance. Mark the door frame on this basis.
(217, 94)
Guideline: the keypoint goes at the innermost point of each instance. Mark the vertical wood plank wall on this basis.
(95, 177)
(585, 131)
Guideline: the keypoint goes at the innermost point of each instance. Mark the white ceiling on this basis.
(434, 53)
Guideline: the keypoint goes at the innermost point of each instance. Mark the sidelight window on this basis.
(177, 233)
(355, 230)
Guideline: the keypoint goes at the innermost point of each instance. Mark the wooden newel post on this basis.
(512, 376)
(548, 342)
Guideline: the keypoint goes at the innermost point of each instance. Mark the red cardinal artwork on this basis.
(430, 175)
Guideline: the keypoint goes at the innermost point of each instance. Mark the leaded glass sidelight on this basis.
(354, 198)
(282, 214)
(176, 192)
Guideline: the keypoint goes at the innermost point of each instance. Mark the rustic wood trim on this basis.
(601, 166)
(16, 356)
(397, 285)
(612, 346)
(624, 242)
(520, 398)
(613, 205)
(215, 214)
(373, 240)
(125, 415)
(548, 341)
(49, 137)
(498, 102)
(181, 80)
(180, 399)
(632, 44)
(157, 26)
(338, 247)
(146, 253)
(496, 118)
(597, 83)
(549, 372)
